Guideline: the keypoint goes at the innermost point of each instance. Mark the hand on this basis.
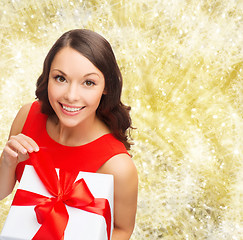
(17, 148)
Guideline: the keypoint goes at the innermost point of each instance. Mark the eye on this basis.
(89, 83)
(60, 78)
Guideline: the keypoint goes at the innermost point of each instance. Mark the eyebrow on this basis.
(63, 73)
(86, 75)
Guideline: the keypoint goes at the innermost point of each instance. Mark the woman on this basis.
(80, 119)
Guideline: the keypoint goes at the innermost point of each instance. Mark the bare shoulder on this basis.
(20, 119)
(123, 169)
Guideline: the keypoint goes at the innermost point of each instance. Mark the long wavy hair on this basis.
(98, 50)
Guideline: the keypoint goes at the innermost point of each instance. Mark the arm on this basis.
(15, 151)
(125, 194)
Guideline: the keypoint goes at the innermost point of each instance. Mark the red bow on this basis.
(52, 212)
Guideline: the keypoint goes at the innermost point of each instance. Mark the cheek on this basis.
(53, 93)
(53, 90)
(94, 99)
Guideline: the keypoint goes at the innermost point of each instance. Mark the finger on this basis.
(23, 144)
(7, 151)
(14, 156)
(18, 146)
(10, 157)
(31, 142)
(22, 157)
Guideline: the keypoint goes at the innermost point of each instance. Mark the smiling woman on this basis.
(75, 89)
(80, 119)
(98, 51)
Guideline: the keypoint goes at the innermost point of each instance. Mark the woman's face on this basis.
(75, 87)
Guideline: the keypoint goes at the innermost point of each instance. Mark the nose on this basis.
(72, 93)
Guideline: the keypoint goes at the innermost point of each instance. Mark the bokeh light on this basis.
(182, 63)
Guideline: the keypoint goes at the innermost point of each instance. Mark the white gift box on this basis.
(21, 222)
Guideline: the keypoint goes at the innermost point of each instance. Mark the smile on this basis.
(71, 109)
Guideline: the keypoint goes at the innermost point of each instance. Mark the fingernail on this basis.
(31, 150)
(37, 149)
(24, 151)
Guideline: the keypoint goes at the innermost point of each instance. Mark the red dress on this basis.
(89, 157)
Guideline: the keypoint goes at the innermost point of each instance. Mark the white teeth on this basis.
(70, 109)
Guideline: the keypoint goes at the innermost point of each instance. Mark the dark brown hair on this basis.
(98, 50)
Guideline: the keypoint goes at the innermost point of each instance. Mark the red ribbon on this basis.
(52, 212)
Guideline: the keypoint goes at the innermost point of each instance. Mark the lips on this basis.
(71, 109)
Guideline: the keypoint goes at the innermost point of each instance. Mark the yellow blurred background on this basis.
(182, 63)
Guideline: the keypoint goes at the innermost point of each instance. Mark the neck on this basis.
(80, 134)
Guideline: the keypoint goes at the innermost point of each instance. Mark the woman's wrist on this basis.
(9, 163)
